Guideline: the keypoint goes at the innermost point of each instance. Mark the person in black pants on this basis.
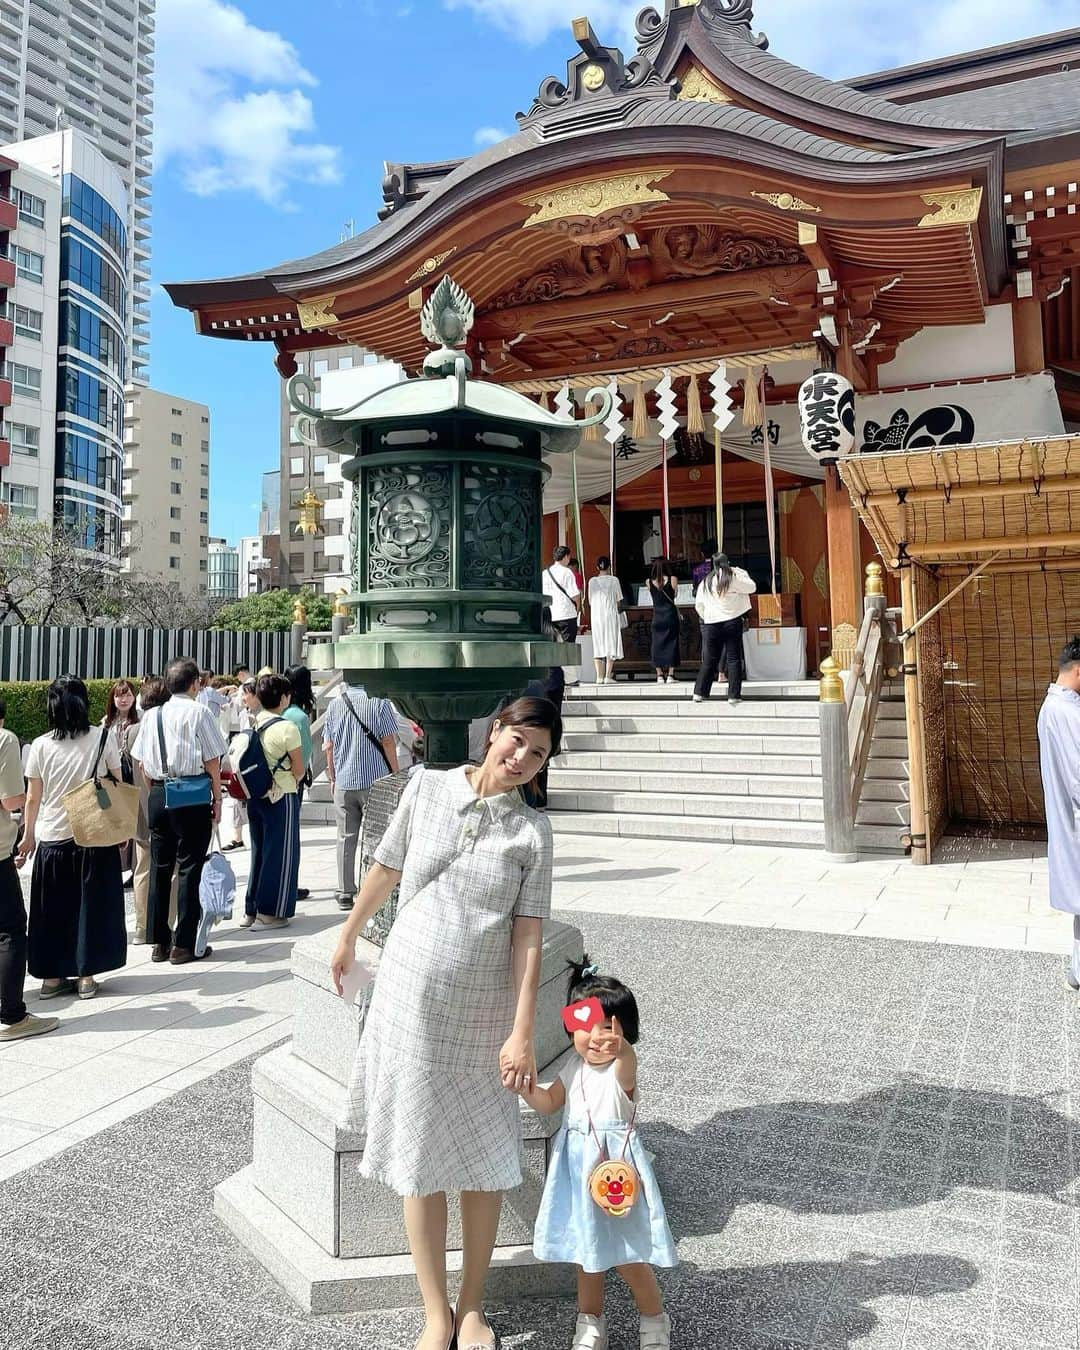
(179, 836)
(15, 1022)
(722, 599)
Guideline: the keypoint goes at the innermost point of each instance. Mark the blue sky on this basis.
(272, 122)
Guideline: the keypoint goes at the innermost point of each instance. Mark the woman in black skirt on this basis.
(76, 894)
(663, 587)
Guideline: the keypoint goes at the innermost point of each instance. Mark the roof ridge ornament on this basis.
(717, 17)
(446, 321)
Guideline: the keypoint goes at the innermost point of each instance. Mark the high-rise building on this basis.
(254, 566)
(68, 356)
(270, 510)
(318, 562)
(223, 575)
(167, 488)
(89, 65)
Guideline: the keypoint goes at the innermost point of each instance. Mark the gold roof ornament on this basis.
(317, 313)
(299, 613)
(958, 207)
(310, 509)
(340, 607)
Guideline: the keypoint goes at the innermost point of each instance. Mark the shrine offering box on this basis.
(777, 611)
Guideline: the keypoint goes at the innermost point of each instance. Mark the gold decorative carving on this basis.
(430, 265)
(792, 575)
(597, 197)
(960, 207)
(701, 250)
(821, 577)
(786, 201)
(592, 77)
(317, 313)
(697, 86)
(844, 641)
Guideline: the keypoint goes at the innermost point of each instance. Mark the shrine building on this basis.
(701, 224)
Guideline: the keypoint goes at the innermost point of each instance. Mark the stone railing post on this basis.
(339, 621)
(297, 634)
(836, 766)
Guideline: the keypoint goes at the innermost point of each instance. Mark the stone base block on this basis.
(320, 1283)
(307, 1165)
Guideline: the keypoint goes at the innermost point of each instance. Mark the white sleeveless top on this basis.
(607, 1102)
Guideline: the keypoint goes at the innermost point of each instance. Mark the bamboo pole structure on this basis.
(1020, 565)
(952, 548)
(951, 596)
(964, 491)
(920, 852)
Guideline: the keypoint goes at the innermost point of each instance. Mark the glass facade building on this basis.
(92, 367)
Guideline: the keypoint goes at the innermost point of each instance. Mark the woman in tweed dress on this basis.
(448, 1038)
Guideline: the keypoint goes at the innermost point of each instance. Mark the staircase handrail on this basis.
(863, 693)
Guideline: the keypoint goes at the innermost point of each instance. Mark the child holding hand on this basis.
(601, 1209)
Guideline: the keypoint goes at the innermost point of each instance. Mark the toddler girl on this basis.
(612, 1217)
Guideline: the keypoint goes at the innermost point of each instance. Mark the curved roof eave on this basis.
(665, 129)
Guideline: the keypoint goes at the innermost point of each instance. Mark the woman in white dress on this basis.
(605, 597)
(448, 1037)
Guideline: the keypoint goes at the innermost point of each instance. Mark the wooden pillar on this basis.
(842, 527)
(1028, 350)
(920, 852)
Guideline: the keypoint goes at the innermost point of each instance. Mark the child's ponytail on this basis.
(616, 1000)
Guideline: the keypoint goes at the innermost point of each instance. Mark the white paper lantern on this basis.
(827, 416)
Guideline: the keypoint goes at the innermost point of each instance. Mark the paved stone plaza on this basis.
(863, 1141)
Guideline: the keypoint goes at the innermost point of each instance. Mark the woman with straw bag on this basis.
(77, 926)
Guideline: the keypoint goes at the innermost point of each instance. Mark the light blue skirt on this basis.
(571, 1227)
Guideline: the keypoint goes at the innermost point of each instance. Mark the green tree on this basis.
(272, 612)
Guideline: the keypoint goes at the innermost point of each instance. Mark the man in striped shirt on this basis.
(360, 740)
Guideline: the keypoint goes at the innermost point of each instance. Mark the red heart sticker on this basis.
(583, 1016)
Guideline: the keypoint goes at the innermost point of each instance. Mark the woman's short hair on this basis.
(68, 708)
(110, 706)
(272, 690)
(536, 713)
(603, 563)
(153, 692)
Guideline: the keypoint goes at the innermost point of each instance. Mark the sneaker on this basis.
(734, 702)
(345, 903)
(672, 680)
(1070, 980)
(56, 990)
(590, 1333)
(660, 679)
(269, 921)
(247, 920)
(656, 1333)
(699, 698)
(88, 988)
(302, 893)
(29, 1026)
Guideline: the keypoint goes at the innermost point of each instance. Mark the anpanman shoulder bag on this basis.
(613, 1186)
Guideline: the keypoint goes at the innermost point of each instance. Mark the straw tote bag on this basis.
(102, 811)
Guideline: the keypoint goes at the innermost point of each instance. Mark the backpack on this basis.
(253, 771)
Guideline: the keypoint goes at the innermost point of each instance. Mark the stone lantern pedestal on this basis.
(333, 1240)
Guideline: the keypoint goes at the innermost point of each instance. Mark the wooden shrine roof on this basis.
(1019, 500)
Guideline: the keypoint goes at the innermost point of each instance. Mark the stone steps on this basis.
(709, 829)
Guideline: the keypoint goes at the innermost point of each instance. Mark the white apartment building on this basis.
(254, 575)
(167, 488)
(89, 65)
(68, 355)
(320, 562)
(223, 577)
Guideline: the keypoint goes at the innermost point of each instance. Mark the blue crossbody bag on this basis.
(181, 792)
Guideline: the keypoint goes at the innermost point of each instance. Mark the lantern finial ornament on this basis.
(310, 510)
(446, 320)
(299, 613)
(827, 414)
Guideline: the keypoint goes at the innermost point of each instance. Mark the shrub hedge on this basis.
(25, 702)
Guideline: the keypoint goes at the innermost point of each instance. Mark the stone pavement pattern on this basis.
(155, 1029)
(864, 1144)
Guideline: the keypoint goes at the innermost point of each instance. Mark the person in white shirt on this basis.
(721, 601)
(562, 594)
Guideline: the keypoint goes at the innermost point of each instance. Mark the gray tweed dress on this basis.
(425, 1088)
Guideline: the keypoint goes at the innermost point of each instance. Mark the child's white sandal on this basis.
(590, 1333)
(656, 1333)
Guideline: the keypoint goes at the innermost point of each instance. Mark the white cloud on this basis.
(229, 106)
(846, 38)
(489, 135)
